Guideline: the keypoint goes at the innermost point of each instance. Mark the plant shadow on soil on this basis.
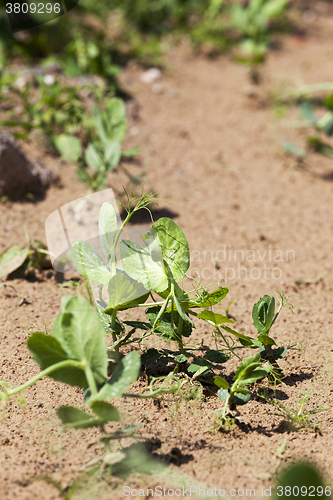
(293, 378)
(143, 216)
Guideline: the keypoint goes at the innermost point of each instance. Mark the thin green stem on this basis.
(114, 263)
(224, 411)
(150, 304)
(91, 380)
(179, 331)
(227, 344)
(309, 89)
(150, 395)
(113, 322)
(47, 371)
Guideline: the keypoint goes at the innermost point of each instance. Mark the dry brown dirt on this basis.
(211, 145)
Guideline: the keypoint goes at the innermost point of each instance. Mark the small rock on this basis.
(19, 176)
(49, 79)
(150, 75)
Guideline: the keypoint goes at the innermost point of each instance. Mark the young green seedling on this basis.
(264, 317)
(253, 23)
(76, 354)
(103, 153)
(247, 373)
(323, 125)
(296, 419)
(158, 267)
(15, 262)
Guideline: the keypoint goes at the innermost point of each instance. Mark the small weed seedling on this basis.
(247, 373)
(15, 262)
(296, 420)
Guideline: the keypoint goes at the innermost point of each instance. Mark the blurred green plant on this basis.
(59, 111)
(248, 372)
(103, 153)
(14, 262)
(300, 479)
(254, 22)
(42, 103)
(95, 38)
(322, 127)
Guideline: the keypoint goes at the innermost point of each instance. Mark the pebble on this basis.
(49, 79)
(150, 75)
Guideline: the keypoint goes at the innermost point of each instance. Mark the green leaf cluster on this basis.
(14, 262)
(248, 372)
(159, 266)
(103, 153)
(76, 354)
(253, 22)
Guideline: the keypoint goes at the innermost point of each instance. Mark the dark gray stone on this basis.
(18, 175)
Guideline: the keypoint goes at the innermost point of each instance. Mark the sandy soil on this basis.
(211, 146)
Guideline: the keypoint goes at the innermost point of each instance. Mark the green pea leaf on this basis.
(125, 293)
(93, 158)
(208, 299)
(105, 411)
(263, 314)
(182, 358)
(214, 318)
(173, 244)
(138, 324)
(106, 320)
(279, 352)
(73, 417)
(89, 264)
(11, 259)
(181, 313)
(68, 146)
(242, 399)
(114, 119)
(112, 154)
(81, 335)
(166, 328)
(153, 356)
(223, 394)
(265, 339)
(139, 265)
(46, 350)
(244, 339)
(221, 382)
(108, 226)
(200, 366)
(216, 356)
(79, 419)
(126, 372)
(242, 390)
